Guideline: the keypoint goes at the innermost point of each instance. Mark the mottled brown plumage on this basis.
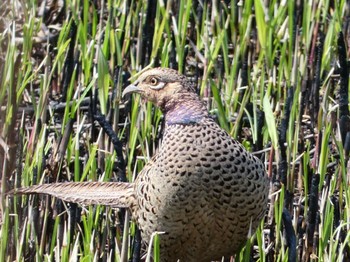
(202, 188)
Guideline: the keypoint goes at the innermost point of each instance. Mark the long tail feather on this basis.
(86, 193)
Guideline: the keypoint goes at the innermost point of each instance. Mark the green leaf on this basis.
(260, 22)
(270, 121)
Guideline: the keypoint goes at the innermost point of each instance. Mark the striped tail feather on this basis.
(116, 194)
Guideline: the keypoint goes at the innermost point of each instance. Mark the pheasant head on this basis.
(172, 92)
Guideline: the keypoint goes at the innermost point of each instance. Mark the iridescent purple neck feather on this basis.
(185, 111)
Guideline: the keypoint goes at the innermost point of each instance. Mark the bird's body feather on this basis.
(203, 190)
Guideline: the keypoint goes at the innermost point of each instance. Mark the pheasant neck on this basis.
(185, 111)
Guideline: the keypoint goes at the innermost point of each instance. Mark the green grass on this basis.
(245, 58)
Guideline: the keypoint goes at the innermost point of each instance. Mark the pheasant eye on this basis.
(154, 81)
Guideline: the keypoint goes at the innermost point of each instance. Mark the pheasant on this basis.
(202, 189)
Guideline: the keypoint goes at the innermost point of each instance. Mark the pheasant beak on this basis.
(131, 89)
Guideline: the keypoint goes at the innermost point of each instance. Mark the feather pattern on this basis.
(86, 193)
